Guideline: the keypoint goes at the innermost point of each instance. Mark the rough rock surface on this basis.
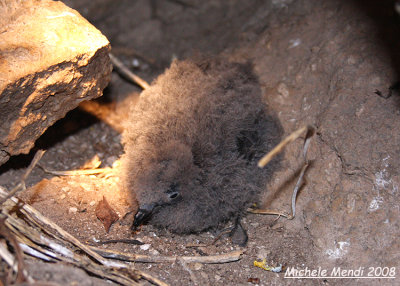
(51, 59)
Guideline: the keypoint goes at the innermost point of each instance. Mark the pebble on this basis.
(92, 203)
(135, 63)
(351, 60)
(65, 189)
(145, 246)
(72, 210)
(314, 67)
(154, 252)
(283, 90)
(198, 266)
(145, 238)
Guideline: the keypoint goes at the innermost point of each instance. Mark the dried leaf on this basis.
(106, 214)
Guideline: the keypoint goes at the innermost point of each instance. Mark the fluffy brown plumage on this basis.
(192, 144)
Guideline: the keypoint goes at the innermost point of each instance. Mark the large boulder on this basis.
(51, 59)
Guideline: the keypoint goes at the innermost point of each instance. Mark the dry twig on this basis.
(21, 186)
(19, 268)
(52, 243)
(16, 263)
(126, 72)
(278, 149)
(152, 279)
(44, 237)
(78, 172)
(212, 259)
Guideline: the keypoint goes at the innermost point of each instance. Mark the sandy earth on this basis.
(318, 62)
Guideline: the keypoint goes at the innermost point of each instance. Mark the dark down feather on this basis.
(192, 145)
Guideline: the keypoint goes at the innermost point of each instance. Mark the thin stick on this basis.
(21, 186)
(8, 257)
(35, 253)
(10, 260)
(212, 259)
(296, 190)
(39, 154)
(152, 279)
(64, 247)
(126, 72)
(279, 148)
(77, 172)
(110, 241)
(47, 225)
(268, 212)
(267, 158)
(8, 235)
(294, 196)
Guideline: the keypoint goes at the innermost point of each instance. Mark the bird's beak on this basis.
(143, 213)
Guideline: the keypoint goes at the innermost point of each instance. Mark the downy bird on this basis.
(192, 143)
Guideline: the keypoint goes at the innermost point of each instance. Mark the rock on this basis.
(145, 246)
(154, 252)
(283, 90)
(51, 59)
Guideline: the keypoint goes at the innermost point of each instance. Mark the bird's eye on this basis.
(173, 195)
(172, 192)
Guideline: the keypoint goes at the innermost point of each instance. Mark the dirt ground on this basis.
(328, 63)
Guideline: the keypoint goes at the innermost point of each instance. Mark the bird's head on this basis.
(163, 179)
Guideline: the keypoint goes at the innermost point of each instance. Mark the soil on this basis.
(328, 63)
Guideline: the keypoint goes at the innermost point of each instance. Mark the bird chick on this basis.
(192, 144)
